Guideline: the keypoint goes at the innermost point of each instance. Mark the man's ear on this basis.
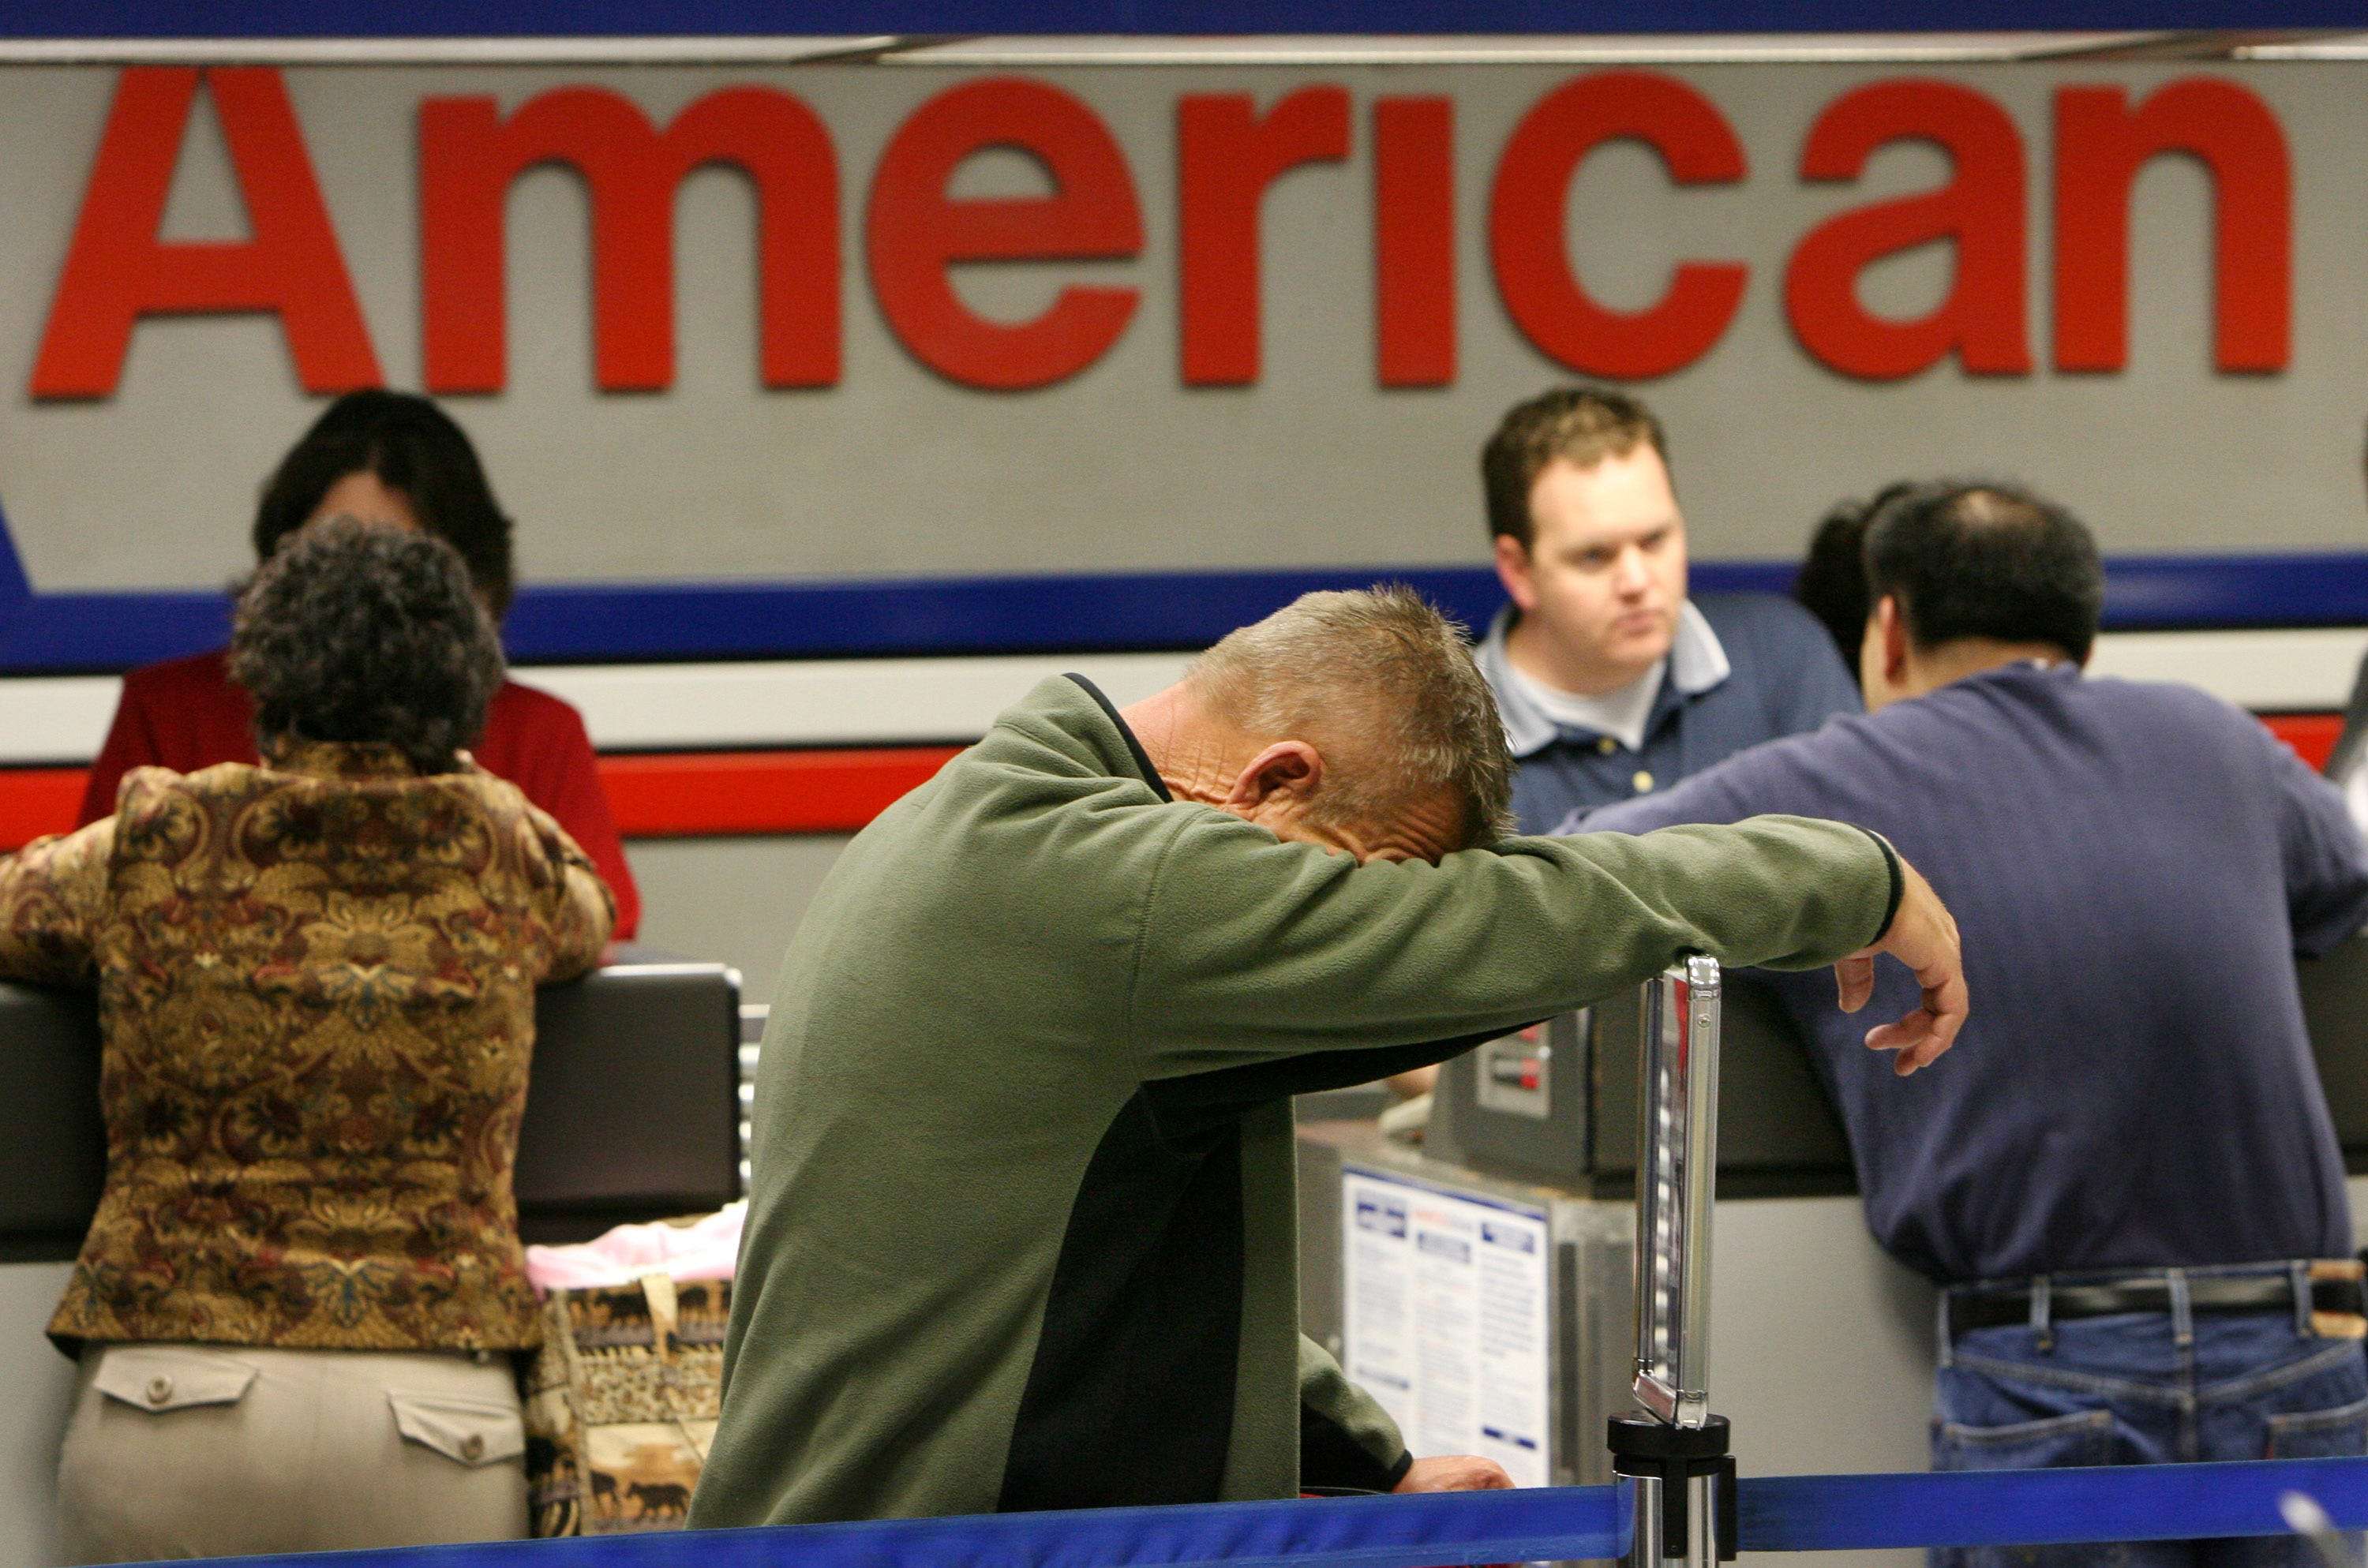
(1892, 626)
(1512, 561)
(1283, 771)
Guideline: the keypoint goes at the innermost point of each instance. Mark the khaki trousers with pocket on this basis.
(214, 1450)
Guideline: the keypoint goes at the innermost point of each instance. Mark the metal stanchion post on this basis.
(1675, 1451)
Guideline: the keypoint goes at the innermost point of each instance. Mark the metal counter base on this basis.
(1826, 1345)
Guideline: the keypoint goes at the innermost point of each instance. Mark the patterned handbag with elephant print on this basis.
(622, 1403)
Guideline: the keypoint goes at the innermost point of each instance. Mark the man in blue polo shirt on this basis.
(2125, 1176)
(1612, 683)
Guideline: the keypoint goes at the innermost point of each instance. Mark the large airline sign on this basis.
(1230, 150)
(879, 359)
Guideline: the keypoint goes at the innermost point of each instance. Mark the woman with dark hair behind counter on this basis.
(316, 984)
(387, 458)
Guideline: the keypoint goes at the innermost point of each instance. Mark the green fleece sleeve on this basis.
(1346, 1439)
(1251, 947)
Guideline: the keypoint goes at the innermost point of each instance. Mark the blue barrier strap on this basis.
(1540, 1524)
(2030, 1507)
(1788, 1513)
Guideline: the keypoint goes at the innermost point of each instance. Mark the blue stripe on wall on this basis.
(1085, 612)
(51, 633)
(647, 19)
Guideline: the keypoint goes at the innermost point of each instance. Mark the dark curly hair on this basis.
(358, 631)
(411, 446)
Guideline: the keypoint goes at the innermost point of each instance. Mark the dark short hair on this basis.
(1986, 559)
(1831, 584)
(1581, 425)
(362, 632)
(411, 446)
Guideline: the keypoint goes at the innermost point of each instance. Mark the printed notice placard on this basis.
(1445, 1318)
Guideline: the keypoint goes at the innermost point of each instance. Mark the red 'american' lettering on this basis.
(118, 269)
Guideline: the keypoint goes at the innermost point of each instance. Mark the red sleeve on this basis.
(130, 743)
(581, 806)
(183, 714)
(539, 743)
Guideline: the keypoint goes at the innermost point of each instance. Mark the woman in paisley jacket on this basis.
(316, 976)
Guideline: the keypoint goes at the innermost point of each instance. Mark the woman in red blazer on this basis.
(392, 457)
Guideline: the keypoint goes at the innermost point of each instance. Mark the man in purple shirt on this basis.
(2125, 1176)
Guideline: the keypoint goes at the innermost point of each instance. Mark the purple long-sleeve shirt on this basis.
(2132, 868)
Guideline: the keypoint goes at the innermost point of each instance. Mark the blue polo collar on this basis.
(1697, 662)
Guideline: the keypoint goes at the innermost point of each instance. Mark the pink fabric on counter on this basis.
(705, 1250)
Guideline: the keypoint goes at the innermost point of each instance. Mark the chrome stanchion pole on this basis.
(1675, 1451)
(1677, 1169)
(1648, 1550)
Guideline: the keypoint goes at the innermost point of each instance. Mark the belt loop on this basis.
(2298, 1277)
(1948, 1342)
(2182, 1309)
(2041, 1323)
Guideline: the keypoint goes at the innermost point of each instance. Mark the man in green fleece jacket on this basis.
(1022, 1233)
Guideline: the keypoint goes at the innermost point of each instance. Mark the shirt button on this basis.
(473, 1446)
(1607, 745)
(1644, 783)
(160, 1389)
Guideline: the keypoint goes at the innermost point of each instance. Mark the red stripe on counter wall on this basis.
(35, 801)
(2311, 734)
(675, 795)
(718, 794)
(695, 794)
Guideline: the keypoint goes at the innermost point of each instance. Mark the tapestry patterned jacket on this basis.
(317, 996)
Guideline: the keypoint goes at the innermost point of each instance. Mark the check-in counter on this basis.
(632, 1113)
(632, 1108)
(1418, 1269)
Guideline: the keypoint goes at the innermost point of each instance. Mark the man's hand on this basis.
(1923, 935)
(1454, 1473)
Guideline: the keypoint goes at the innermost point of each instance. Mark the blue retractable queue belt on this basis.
(1784, 1513)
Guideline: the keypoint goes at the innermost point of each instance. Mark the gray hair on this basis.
(365, 632)
(1384, 686)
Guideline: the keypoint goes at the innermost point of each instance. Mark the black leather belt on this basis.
(1970, 1310)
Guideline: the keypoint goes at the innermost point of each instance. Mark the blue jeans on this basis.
(2148, 1388)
